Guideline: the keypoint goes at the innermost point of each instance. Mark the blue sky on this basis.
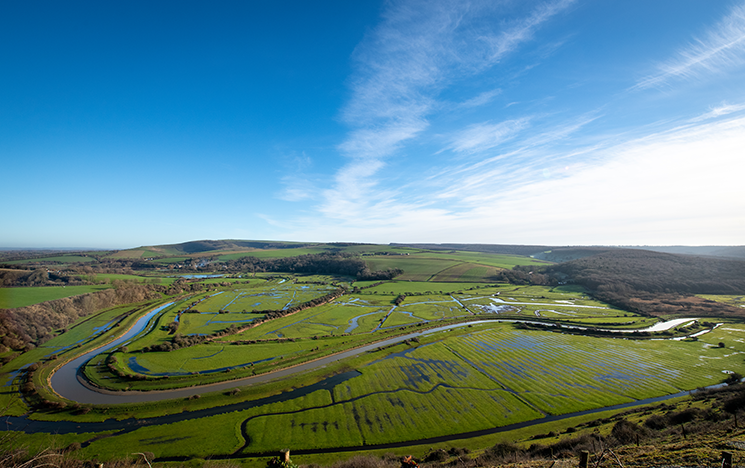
(511, 122)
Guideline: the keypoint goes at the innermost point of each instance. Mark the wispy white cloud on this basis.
(296, 188)
(484, 136)
(376, 143)
(482, 99)
(419, 48)
(722, 48)
(507, 40)
(524, 160)
(671, 186)
(724, 109)
(543, 177)
(296, 184)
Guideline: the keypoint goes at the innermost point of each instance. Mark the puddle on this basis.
(496, 309)
(353, 323)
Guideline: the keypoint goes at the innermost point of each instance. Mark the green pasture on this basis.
(357, 314)
(737, 300)
(380, 418)
(414, 267)
(476, 378)
(208, 323)
(131, 253)
(371, 249)
(214, 281)
(416, 287)
(495, 260)
(328, 319)
(169, 260)
(147, 252)
(448, 266)
(430, 307)
(466, 272)
(183, 439)
(270, 253)
(10, 298)
(263, 296)
(561, 373)
(54, 259)
(214, 435)
(209, 357)
(137, 278)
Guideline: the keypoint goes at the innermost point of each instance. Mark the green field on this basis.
(415, 268)
(271, 253)
(54, 259)
(735, 301)
(263, 296)
(448, 266)
(169, 260)
(11, 298)
(407, 287)
(495, 260)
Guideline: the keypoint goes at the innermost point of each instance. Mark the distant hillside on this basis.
(525, 250)
(656, 283)
(711, 250)
(212, 245)
(558, 254)
(656, 272)
(201, 246)
(566, 254)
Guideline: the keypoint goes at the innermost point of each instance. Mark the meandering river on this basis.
(69, 383)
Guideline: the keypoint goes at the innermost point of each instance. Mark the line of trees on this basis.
(323, 263)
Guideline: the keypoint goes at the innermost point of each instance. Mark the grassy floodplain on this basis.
(474, 377)
(371, 313)
(458, 382)
(733, 300)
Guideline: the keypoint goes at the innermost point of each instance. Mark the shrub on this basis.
(500, 451)
(73, 447)
(438, 455)
(626, 432)
(457, 452)
(681, 417)
(277, 462)
(656, 422)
